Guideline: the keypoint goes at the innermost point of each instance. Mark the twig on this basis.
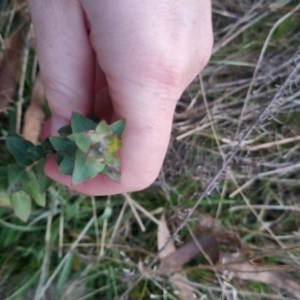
(116, 227)
(104, 230)
(96, 223)
(190, 132)
(145, 212)
(22, 82)
(274, 143)
(268, 207)
(265, 174)
(130, 202)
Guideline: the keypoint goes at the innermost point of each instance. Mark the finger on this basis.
(146, 77)
(65, 56)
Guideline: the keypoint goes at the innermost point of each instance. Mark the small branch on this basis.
(265, 174)
(131, 204)
(22, 82)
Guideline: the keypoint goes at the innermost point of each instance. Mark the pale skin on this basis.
(128, 59)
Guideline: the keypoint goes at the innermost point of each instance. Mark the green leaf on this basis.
(118, 128)
(94, 118)
(18, 179)
(4, 199)
(3, 179)
(21, 203)
(80, 123)
(94, 158)
(33, 190)
(63, 146)
(66, 130)
(103, 128)
(82, 141)
(43, 180)
(47, 147)
(59, 158)
(66, 166)
(22, 150)
(114, 164)
(112, 173)
(38, 151)
(84, 171)
(95, 137)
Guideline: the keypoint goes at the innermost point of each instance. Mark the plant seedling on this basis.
(83, 149)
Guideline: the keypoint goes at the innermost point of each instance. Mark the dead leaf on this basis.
(204, 245)
(208, 225)
(179, 280)
(247, 271)
(35, 115)
(10, 68)
(163, 236)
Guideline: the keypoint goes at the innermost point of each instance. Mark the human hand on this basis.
(128, 59)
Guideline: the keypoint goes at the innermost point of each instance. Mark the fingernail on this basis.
(56, 123)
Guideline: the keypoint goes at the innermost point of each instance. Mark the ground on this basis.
(231, 173)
